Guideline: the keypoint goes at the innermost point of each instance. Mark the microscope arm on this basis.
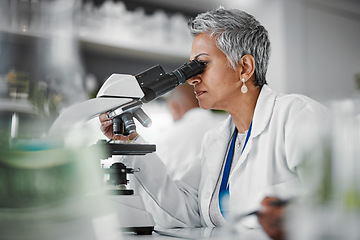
(119, 92)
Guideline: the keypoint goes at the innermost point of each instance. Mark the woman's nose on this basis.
(194, 80)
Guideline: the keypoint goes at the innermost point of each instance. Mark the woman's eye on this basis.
(204, 63)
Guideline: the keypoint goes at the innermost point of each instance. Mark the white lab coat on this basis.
(268, 165)
(182, 141)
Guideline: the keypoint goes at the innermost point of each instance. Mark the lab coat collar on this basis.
(263, 110)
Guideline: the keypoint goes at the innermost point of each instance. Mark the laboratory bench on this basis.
(198, 233)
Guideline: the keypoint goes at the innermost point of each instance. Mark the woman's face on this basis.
(219, 84)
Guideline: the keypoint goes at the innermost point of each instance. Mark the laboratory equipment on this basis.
(122, 96)
(129, 207)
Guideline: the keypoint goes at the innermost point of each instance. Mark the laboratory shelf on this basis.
(134, 50)
(145, 50)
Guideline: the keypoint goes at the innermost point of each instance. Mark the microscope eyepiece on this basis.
(155, 82)
(188, 70)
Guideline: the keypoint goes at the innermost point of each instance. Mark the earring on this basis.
(244, 89)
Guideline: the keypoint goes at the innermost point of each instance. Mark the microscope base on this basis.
(132, 214)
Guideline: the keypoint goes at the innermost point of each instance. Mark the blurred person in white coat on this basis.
(182, 140)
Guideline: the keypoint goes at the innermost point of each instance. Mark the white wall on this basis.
(332, 47)
(322, 47)
(315, 44)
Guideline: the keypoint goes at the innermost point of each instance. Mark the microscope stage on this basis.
(126, 148)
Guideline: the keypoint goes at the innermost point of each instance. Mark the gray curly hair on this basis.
(237, 33)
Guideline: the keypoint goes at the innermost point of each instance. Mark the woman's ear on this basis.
(247, 63)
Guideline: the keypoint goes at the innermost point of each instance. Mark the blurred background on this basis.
(55, 53)
(315, 46)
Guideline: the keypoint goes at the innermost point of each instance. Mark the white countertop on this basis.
(198, 233)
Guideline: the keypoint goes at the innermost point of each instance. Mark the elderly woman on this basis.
(251, 155)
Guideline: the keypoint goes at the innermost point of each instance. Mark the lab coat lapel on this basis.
(217, 147)
(218, 143)
(263, 111)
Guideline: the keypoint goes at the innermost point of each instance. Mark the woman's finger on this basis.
(104, 117)
(106, 123)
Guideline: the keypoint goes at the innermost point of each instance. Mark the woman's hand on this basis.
(271, 218)
(106, 125)
(107, 129)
